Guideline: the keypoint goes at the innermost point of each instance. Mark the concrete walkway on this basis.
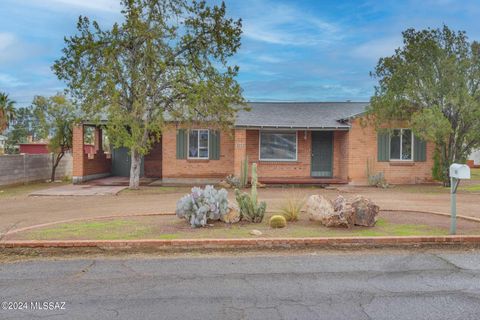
(79, 190)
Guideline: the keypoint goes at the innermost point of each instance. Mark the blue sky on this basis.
(291, 50)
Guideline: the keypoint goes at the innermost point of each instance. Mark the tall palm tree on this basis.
(7, 111)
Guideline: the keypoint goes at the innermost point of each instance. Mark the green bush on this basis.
(278, 221)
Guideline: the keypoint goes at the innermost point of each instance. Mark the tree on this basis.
(57, 116)
(433, 84)
(7, 111)
(25, 125)
(166, 62)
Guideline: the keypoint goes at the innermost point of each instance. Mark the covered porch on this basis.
(294, 156)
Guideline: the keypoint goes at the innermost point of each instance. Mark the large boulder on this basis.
(365, 211)
(233, 215)
(344, 210)
(318, 208)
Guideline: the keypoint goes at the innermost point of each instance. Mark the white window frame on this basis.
(401, 145)
(276, 160)
(198, 145)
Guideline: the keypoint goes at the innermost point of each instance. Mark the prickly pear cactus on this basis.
(202, 205)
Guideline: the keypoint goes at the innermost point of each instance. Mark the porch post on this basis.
(98, 139)
(240, 150)
(78, 154)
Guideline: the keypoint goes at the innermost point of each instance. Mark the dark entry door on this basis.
(322, 154)
(121, 162)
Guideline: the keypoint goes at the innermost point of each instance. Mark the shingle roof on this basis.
(304, 115)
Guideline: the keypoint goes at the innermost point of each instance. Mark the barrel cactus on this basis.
(250, 209)
(202, 205)
(278, 221)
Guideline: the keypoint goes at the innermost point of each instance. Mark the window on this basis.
(401, 144)
(278, 146)
(198, 144)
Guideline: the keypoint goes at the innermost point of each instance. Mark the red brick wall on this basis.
(87, 164)
(190, 168)
(97, 163)
(153, 161)
(280, 169)
(362, 145)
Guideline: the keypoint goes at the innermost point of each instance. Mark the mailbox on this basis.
(459, 171)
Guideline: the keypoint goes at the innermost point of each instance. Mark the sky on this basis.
(305, 50)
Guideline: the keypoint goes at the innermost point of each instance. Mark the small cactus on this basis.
(244, 173)
(250, 209)
(278, 221)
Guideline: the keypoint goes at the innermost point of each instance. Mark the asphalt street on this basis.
(362, 285)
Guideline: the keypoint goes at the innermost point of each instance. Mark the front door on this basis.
(322, 154)
(121, 162)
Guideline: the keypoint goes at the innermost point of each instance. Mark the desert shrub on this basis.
(203, 204)
(233, 181)
(291, 207)
(278, 221)
(250, 209)
(375, 179)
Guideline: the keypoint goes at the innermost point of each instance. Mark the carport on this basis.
(93, 162)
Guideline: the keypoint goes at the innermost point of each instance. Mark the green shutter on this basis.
(181, 144)
(214, 147)
(383, 146)
(419, 149)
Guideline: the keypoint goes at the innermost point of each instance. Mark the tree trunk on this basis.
(55, 165)
(135, 170)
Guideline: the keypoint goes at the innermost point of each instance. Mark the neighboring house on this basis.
(3, 141)
(309, 143)
(33, 148)
(474, 159)
(42, 148)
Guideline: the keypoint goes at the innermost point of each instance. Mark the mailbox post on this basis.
(457, 172)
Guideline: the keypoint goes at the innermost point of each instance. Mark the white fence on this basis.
(24, 168)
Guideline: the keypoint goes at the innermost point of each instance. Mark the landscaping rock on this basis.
(318, 208)
(261, 185)
(233, 215)
(344, 210)
(224, 184)
(255, 232)
(335, 221)
(365, 211)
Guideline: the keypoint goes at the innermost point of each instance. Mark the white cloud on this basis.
(11, 48)
(96, 5)
(375, 49)
(268, 58)
(276, 23)
(8, 81)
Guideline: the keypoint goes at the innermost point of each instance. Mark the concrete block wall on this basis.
(25, 168)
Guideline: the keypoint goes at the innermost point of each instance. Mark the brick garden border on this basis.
(253, 243)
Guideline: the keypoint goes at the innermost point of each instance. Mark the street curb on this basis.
(252, 243)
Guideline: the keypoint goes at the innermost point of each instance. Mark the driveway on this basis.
(357, 285)
(21, 210)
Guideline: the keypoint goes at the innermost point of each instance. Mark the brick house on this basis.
(297, 143)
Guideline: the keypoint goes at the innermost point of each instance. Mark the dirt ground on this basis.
(170, 227)
(18, 210)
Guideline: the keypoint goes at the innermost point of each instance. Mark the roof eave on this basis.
(283, 127)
